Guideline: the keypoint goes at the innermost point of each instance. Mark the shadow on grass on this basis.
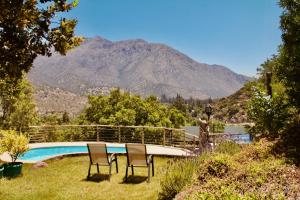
(97, 178)
(134, 179)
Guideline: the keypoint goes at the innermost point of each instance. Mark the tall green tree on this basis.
(29, 28)
(122, 108)
(23, 110)
(288, 69)
(179, 103)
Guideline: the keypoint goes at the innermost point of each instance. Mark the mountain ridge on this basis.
(136, 65)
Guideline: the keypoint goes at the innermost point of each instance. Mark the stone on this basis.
(39, 165)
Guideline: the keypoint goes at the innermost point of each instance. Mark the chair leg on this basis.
(117, 166)
(89, 172)
(132, 171)
(148, 174)
(152, 167)
(109, 171)
(98, 169)
(126, 172)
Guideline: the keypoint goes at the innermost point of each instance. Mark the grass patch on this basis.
(66, 179)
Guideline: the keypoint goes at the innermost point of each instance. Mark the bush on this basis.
(270, 115)
(178, 175)
(228, 147)
(13, 143)
(217, 126)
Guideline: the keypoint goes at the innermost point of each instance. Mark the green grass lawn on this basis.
(66, 179)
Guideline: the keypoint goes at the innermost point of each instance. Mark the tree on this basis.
(288, 68)
(270, 115)
(22, 107)
(65, 117)
(121, 108)
(179, 104)
(29, 28)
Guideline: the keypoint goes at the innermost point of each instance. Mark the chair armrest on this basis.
(113, 155)
(149, 159)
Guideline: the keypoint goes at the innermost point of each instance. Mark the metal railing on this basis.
(115, 134)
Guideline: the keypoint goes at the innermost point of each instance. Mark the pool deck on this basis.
(151, 149)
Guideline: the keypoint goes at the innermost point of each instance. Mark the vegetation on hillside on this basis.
(233, 109)
(123, 108)
(233, 172)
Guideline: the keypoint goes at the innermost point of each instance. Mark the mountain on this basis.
(136, 65)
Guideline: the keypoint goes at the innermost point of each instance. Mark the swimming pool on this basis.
(39, 154)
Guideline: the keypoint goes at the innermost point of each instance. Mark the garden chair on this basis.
(99, 157)
(137, 157)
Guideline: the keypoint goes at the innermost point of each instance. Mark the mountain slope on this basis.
(136, 65)
(233, 109)
(56, 101)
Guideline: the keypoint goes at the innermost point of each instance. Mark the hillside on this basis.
(56, 101)
(135, 65)
(232, 109)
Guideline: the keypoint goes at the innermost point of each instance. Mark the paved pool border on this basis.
(151, 149)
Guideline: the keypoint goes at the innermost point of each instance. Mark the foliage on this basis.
(179, 104)
(252, 173)
(65, 117)
(228, 147)
(122, 108)
(178, 175)
(269, 114)
(28, 29)
(22, 110)
(233, 109)
(289, 144)
(31, 28)
(288, 68)
(50, 119)
(216, 126)
(13, 143)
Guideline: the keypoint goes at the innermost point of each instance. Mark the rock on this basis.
(39, 165)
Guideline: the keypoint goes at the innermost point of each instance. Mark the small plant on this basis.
(218, 166)
(228, 147)
(178, 175)
(13, 143)
(217, 126)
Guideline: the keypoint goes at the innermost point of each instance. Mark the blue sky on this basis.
(239, 34)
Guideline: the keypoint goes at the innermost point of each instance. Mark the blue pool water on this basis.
(44, 153)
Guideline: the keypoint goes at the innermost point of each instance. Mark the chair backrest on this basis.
(98, 153)
(136, 154)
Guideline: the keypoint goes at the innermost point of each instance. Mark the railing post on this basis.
(97, 133)
(119, 133)
(171, 137)
(143, 136)
(184, 140)
(194, 141)
(164, 137)
(214, 141)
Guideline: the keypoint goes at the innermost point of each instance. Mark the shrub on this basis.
(178, 175)
(219, 165)
(269, 114)
(228, 147)
(217, 126)
(13, 143)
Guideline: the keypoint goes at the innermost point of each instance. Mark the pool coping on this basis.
(151, 149)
